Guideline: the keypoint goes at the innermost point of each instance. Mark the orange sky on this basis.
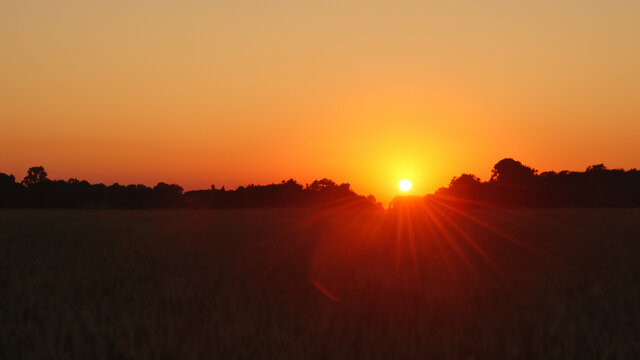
(366, 92)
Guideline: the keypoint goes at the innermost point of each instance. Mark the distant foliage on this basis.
(36, 190)
(514, 184)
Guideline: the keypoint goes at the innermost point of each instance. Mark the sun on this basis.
(405, 185)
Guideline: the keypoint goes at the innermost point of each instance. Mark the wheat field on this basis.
(428, 283)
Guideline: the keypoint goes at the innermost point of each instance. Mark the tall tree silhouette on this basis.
(35, 175)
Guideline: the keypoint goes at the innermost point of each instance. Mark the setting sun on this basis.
(405, 185)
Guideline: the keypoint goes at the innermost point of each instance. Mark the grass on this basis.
(432, 282)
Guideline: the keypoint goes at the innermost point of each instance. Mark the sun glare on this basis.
(405, 185)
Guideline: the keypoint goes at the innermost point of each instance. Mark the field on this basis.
(419, 282)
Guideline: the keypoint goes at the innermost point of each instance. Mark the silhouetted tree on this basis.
(12, 194)
(515, 184)
(509, 171)
(597, 167)
(322, 185)
(7, 181)
(165, 195)
(35, 175)
(464, 180)
(512, 184)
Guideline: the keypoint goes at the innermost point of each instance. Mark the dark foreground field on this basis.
(421, 282)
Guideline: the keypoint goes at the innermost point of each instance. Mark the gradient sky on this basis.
(366, 92)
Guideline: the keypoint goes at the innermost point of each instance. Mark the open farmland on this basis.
(420, 282)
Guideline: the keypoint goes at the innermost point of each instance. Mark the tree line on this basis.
(513, 184)
(36, 190)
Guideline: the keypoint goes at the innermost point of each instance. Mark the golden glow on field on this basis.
(405, 185)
